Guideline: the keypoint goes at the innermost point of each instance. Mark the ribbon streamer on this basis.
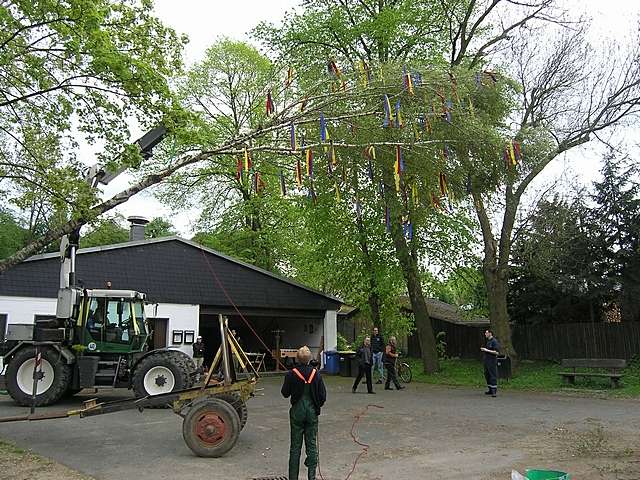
(442, 180)
(387, 111)
(270, 107)
(387, 218)
(239, 165)
(309, 162)
(407, 80)
(298, 173)
(399, 122)
(289, 79)
(323, 128)
(247, 160)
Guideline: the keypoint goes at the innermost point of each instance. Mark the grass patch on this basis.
(534, 376)
(9, 448)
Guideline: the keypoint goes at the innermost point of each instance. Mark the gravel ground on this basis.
(422, 432)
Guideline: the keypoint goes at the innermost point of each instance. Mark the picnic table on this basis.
(613, 365)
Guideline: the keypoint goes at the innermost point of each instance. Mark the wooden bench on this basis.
(614, 365)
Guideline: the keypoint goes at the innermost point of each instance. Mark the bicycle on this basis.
(403, 371)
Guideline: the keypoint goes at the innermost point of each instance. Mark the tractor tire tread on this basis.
(62, 378)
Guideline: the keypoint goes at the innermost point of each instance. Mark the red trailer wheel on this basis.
(211, 427)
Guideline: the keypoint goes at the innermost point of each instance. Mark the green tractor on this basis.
(103, 343)
(98, 338)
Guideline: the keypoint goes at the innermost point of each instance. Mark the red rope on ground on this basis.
(365, 446)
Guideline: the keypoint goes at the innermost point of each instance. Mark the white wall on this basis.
(23, 309)
(181, 317)
(331, 330)
(295, 336)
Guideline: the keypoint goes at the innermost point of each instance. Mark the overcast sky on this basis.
(205, 20)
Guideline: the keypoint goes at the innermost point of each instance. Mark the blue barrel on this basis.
(331, 362)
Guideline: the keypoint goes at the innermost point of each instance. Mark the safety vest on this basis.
(301, 377)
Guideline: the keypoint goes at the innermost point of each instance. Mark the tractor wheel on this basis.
(53, 380)
(159, 373)
(186, 364)
(211, 427)
(238, 405)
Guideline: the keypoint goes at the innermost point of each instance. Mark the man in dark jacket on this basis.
(377, 348)
(491, 352)
(198, 353)
(365, 359)
(390, 358)
(308, 394)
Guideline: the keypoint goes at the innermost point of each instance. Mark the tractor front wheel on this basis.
(211, 427)
(54, 376)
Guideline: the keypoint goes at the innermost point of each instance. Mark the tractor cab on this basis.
(112, 321)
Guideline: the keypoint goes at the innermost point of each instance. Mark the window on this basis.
(138, 310)
(95, 318)
(119, 322)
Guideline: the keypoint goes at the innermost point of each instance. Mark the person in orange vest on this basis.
(307, 391)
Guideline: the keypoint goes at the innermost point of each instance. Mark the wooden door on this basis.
(159, 326)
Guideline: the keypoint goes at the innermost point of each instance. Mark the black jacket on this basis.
(198, 350)
(294, 387)
(365, 356)
(377, 343)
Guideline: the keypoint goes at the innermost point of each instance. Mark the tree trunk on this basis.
(410, 272)
(497, 290)
(495, 269)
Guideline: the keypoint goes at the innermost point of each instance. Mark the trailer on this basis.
(213, 413)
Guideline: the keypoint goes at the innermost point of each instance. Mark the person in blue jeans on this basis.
(377, 349)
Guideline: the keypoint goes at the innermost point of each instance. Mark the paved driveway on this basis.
(422, 432)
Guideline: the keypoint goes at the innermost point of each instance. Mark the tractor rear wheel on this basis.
(159, 373)
(211, 427)
(53, 378)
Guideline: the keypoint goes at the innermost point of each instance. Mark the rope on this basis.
(365, 446)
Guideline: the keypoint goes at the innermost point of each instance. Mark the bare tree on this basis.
(568, 93)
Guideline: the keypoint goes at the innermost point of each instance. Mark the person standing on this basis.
(491, 351)
(390, 357)
(365, 359)
(377, 348)
(307, 391)
(198, 353)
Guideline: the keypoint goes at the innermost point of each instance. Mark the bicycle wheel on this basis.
(404, 373)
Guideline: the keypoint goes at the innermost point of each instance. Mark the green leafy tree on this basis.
(69, 71)
(105, 231)
(12, 235)
(159, 227)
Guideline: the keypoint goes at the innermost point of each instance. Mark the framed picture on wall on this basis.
(189, 336)
(177, 337)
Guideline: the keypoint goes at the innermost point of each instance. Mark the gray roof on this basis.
(169, 269)
(446, 312)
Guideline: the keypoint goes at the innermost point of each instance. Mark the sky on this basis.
(203, 21)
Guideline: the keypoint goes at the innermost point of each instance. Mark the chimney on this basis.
(136, 232)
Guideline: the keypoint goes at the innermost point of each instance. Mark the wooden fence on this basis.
(577, 340)
(543, 342)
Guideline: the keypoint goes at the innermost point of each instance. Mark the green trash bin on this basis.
(546, 475)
